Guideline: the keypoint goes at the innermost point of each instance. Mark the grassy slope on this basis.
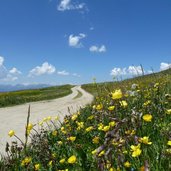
(98, 88)
(20, 97)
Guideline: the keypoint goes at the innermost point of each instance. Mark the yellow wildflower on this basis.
(59, 142)
(168, 111)
(145, 140)
(74, 117)
(56, 118)
(136, 151)
(147, 117)
(117, 94)
(96, 140)
(101, 153)
(26, 161)
(99, 107)
(112, 124)
(30, 126)
(127, 164)
(11, 133)
(106, 128)
(49, 118)
(72, 159)
(94, 152)
(90, 117)
(71, 138)
(90, 128)
(100, 126)
(110, 108)
(50, 163)
(54, 133)
(169, 143)
(62, 161)
(124, 103)
(36, 166)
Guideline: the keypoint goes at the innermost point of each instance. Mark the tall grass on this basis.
(126, 128)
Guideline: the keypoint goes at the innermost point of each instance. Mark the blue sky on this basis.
(72, 41)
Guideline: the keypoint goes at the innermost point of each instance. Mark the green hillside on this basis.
(24, 96)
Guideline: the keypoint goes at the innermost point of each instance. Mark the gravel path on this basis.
(15, 117)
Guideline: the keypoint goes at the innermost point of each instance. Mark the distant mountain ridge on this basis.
(7, 88)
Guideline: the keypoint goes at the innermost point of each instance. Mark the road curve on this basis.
(15, 117)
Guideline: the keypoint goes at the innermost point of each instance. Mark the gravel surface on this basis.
(15, 117)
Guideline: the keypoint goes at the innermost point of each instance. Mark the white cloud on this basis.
(45, 68)
(100, 49)
(164, 66)
(14, 71)
(1, 60)
(118, 71)
(67, 5)
(76, 75)
(131, 70)
(135, 70)
(74, 41)
(64, 73)
(10, 78)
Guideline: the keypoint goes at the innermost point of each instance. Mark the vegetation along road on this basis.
(14, 118)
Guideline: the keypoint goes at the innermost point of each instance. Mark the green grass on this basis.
(124, 130)
(24, 96)
(79, 94)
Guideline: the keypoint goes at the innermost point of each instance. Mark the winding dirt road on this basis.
(15, 117)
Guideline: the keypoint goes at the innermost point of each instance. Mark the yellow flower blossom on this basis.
(99, 107)
(168, 111)
(90, 117)
(90, 128)
(112, 124)
(11, 133)
(136, 151)
(127, 164)
(59, 142)
(106, 128)
(72, 159)
(101, 153)
(74, 117)
(145, 140)
(26, 161)
(62, 161)
(54, 133)
(30, 126)
(37, 167)
(147, 117)
(50, 163)
(124, 103)
(169, 143)
(71, 138)
(110, 108)
(117, 94)
(95, 140)
(94, 152)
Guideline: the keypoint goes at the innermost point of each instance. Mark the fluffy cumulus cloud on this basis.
(164, 66)
(68, 5)
(100, 49)
(5, 74)
(74, 41)
(14, 71)
(64, 73)
(45, 68)
(131, 70)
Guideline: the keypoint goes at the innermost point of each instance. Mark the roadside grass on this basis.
(126, 128)
(24, 96)
(79, 94)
